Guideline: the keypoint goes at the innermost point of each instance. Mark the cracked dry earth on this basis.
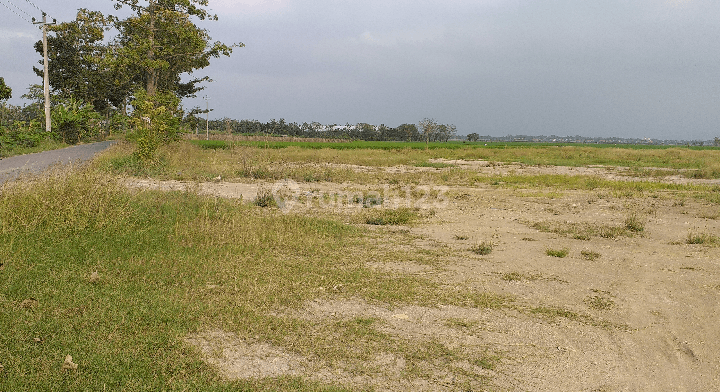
(636, 312)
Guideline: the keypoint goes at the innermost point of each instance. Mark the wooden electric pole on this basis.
(207, 119)
(44, 24)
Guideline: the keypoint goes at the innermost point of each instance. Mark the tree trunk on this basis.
(152, 73)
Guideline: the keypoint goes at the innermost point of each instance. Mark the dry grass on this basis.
(117, 278)
(587, 230)
(706, 239)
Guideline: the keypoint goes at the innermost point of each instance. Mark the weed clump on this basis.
(384, 217)
(634, 224)
(561, 253)
(484, 248)
(590, 255)
(265, 198)
(513, 277)
(702, 239)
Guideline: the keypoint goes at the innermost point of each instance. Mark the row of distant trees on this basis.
(428, 129)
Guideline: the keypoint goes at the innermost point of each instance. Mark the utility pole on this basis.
(207, 119)
(44, 24)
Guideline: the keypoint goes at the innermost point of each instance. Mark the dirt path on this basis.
(623, 311)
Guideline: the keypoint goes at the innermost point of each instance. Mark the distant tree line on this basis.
(359, 131)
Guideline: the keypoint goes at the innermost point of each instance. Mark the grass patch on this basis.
(585, 231)
(599, 302)
(461, 323)
(117, 278)
(589, 255)
(265, 198)
(488, 362)
(702, 161)
(634, 224)
(552, 313)
(436, 165)
(483, 249)
(561, 253)
(394, 217)
(518, 277)
(702, 239)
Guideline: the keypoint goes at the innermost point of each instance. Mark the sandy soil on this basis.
(650, 302)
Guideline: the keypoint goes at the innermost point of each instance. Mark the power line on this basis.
(19, 8)
(13, 11)
(33, 4)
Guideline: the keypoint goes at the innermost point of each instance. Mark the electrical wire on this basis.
(19, 9)
(33, 4)
(14, 12)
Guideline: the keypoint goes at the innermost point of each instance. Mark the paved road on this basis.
(11, 167)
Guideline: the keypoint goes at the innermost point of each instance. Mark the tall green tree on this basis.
(160, 42)
(5, 91)
(5, 94)
(152, 49)
(73, 70)
(429, 129)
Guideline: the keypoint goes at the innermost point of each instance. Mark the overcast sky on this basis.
(629, 68)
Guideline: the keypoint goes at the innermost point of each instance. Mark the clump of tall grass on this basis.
(589, 255)
(634, 223)
(702, 239)
(560, 253)
(484, 248)
(388, 216)
(632, 226)
(64, 201)
(265, 198)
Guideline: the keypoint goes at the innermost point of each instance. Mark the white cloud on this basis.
(15, 35)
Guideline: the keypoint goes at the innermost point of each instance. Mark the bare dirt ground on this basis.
(642, 311)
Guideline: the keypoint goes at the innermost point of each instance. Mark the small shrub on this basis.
(483, 248)
(72, 121)
(22, 135)
(156, 122)
(634, 224)
(265, 198)
(461, 237)
(561, 253)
